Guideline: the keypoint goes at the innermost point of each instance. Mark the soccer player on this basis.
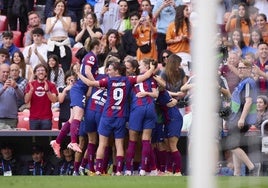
(115, 110)
(142, 119)
(173, 124)
(78, 92)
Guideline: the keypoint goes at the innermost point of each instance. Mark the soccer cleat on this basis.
(168, 173)
(90, 173)
(98, 173)
(142, 173)
(127, 173)
(177, 174)
(118, 174)
(56, 148)
(75, 173)
(74, 147)
(256, 170)
(82, 171)
(153, 173)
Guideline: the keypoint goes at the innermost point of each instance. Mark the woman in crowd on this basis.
(145, 34)
(179, 35)
(123, 23)
(112, 44)
(262, 25)
(237, 43)
(58, 27)
(173, 77)
(25, 70)
(55, 72)
(89, 29)
(262, 111)
(240, 21)
(64, 98)
(255, 39)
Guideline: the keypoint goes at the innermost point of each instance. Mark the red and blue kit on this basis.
(118, 89)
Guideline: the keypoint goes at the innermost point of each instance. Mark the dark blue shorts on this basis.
(115, 125)
(142, 117)
(92, 120)
(77, 96)
(158, 133)
(173, 128)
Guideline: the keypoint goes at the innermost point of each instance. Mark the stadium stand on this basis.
(3, 23)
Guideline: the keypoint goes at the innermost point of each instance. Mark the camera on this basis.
(225, 112)
(106, 3)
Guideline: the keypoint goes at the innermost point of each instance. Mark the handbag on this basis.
(146, 48)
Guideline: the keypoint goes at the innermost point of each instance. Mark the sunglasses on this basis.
(165, 57)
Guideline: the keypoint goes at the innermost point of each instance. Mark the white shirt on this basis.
(34, 60)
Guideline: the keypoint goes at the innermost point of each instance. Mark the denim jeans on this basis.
(41, 124)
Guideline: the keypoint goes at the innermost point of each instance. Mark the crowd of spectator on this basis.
(115, 66)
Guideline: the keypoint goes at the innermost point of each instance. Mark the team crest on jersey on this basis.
(91, 60)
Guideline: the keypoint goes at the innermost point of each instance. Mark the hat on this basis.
(37, 149)
(7, 34)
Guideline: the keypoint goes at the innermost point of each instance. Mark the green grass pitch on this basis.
(123, 182)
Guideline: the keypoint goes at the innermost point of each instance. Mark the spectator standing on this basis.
(20, 81)
(262, 69)
(262, 25)
(75, 7)
(229, 70)
(40, 92)
(89, 29)
(243, 104)
(34, 22)
(262, 111)
(58, 27)
(107, 13)
(255, 39)
(18, 59)
(17, 11)
(179, 35)
(112, 45)
(174, 78)
(240, 20)
(10, 93)
(145, 33)
(123, 23)
(7, 37)
(128, 41)
(36, 53)
(164, 12)
(64, 98)
(9, 165)
(55, 72)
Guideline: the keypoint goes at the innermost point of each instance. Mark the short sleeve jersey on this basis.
(98, 97)
(118, 89)
(146, 85)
